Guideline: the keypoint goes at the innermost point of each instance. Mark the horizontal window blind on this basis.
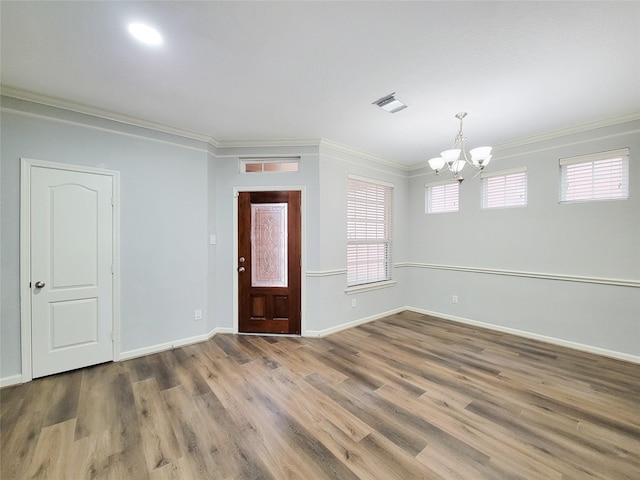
(369, 226)
(504, 189)
(442, 197)
(603, 176)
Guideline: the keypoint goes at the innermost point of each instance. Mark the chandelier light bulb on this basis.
(457, 166)
(451, 156)
(436, 163)
(480, 153)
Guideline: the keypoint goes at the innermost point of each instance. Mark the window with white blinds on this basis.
(505, 189)
(369, 225)
(600, 176)
(442, 197)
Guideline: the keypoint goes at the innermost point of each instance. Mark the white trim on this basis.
(183, 342)
(394, 171)
(375, 181)
(354, 323)
(341, 271)
(571, 144)
(326, 273)
(270, 158)
(32, 97)
(303, 151)
(303, 246)
(368, 287)
(517, 273)
(20, 94)
(105, 129)
(244, 161)
(563, 132)
(594, 157)
(11, 380)
(25, 255)
(342, 148)
(25, 268)
(534, 336)
(137, 122)
(268, 143)
(506, 171)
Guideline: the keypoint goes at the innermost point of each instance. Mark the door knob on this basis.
(39, 285)
(241, 259)
(241, 269)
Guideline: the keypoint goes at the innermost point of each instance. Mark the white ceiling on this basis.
(302, 70)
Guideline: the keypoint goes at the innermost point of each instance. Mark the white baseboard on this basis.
(162, 347)
(533, 336)
(11, 380)
(16, 379)
(218, 330)
(354, 323)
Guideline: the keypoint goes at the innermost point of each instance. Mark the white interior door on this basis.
(71, 251)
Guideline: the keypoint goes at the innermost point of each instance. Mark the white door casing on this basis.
(68, 267)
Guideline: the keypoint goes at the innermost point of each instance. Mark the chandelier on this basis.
(456, 158)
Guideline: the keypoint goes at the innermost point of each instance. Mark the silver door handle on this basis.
(39, 285)
(241, 269)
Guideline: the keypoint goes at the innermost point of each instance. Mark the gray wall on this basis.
(163, 219)
(175, 192)
(596, 239)
(330, 304)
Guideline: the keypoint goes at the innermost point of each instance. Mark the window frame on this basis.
(510, 172)
(428, 195)
(566, 163)
(255, 165)
(357, 280)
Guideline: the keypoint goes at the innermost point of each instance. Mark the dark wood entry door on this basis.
(269, 258)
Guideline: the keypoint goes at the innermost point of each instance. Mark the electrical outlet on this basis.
(354, 303)
(454, 299)
(197, 315)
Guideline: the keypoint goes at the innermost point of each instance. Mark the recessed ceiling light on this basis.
(145, 33)
(390, 103)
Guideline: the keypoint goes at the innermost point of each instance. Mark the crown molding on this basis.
(563, 132)
(310, 142)
(342, 148)
(28, 96)
(33, 97)
(267, 143)
(291, 142)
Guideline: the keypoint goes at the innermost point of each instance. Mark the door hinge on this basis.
(113, 201)
(112, 336)
(112, 271)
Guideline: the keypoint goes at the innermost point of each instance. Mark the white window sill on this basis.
(367, 287)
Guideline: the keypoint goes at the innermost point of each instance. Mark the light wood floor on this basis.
(405, 397)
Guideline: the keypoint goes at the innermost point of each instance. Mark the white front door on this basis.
(71, 252)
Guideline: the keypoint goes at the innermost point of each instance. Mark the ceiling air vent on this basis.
(390, 103)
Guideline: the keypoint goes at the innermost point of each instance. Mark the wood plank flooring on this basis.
(405, 397)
